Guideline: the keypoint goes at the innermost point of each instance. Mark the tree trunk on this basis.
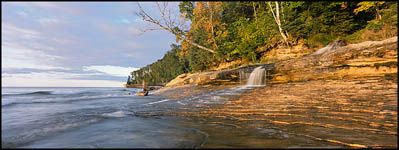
(282, 11)
(211, 23)
(253, 5)
(378, 16)
(199, 46)
(277, 19)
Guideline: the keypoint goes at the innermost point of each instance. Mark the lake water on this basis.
(236, 117)
(87, 118)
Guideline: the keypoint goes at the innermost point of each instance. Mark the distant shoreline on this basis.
(56, 87)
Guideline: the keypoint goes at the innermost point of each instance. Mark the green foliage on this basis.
(163, 70)
(186, 8)
(199, 60)
(367, 5)
(269, 60)
(249, 36)
(378, 29)
(390, 13)
(319, 25)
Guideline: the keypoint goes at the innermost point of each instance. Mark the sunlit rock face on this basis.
(366, 59)
(342, 98)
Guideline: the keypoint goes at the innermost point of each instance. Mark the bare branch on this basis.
(167, 25)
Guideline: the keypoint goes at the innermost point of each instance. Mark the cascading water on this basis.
(257, 76)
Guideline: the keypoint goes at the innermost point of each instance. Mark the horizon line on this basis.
(57, 86)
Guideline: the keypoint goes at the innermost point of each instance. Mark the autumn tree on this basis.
(367, 5)
(169, 22)
(207, 19)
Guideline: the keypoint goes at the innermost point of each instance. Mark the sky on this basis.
(77, 44)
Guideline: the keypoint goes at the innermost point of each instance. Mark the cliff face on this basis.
(335, 61)
(366, 59)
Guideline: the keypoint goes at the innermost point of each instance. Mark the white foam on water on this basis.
(180, 103)
(157, 102)
(117, 114)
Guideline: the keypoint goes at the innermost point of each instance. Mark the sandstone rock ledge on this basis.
(344, 97)
(366, 59)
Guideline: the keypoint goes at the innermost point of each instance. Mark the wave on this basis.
(63, 100)
(40, 93)
(157, 102)
(31, 93)
(14, 141)
(116, 114)
(15, 103)
(56, 94)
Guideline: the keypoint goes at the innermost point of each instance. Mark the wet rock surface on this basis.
(342, 98)
(347, 113)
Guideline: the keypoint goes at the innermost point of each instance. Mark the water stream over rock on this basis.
(257, 76)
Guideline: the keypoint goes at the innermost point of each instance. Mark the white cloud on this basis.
(65, 7)
(62, 41)
(107, 29)
(22, 49)
(8, 30)
(111, 70)
(138, 20)
(45, 20)
(21, 58)
(51, 75)
(133, 55)
(54, 79)
(134, 30)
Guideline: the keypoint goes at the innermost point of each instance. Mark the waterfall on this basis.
(257, 77)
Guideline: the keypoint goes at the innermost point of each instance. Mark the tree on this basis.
(163, 70)
(207, 18)
(365, 6)
(170, 25)
(186, 9)
(276, 16)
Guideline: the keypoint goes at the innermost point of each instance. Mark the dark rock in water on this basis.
(145, 93)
